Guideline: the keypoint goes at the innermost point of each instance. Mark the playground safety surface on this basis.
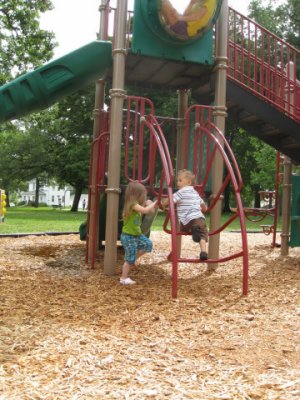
(68, 332)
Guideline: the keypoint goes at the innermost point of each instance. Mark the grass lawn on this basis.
(46, 219)
(235, 225)
(43, 219)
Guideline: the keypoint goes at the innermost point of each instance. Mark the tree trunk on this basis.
(37, 192)
(78, 191)
(7, 199)
(256, 196)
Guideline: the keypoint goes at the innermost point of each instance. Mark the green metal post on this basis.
(286, 205)
(287, 174)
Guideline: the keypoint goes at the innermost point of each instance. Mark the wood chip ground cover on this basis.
(69, 332)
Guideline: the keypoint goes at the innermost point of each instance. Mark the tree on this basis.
(23, 45)
(7, 134)
(250, 151)
(282, 19)
(24, 154)
(70, 133)
(263, 177)
(55, 142)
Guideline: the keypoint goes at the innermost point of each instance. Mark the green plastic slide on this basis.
(42, 87)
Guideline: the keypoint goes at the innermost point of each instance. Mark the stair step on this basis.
(292, 145)
(271, 131)
(244, 116)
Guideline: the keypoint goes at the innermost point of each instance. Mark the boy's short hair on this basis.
(188, 175)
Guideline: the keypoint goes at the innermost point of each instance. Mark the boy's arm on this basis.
(165, 201)
(203, 206)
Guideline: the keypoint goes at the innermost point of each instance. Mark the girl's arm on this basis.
(164, 203)
(145, 210)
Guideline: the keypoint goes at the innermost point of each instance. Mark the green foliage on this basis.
(71, 136)
(165, 102)
(24, 154)
(23, 45)
(55, 142)
(256, 160)
(264, 174)
(282, 18)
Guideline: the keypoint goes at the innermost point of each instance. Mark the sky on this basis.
(76, 22)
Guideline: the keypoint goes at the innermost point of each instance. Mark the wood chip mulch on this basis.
(69, 332)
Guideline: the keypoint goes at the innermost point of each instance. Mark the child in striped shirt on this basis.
(190, 208)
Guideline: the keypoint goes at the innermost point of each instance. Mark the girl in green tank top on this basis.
(134, 242)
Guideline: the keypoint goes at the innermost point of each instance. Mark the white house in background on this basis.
(52, 195)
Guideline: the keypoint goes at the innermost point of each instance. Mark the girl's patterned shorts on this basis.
(132, 244)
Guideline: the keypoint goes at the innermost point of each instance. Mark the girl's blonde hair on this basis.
(189, 175)
(134, 193)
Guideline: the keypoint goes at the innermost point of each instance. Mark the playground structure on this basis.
(274, 82)
(205, 121)
(153, 160)
(249, 73)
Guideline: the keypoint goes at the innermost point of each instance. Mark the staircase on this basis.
(263, 93)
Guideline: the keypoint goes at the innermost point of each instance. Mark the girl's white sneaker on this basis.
(127, 281)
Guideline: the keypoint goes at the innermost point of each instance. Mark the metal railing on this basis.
(263, 64)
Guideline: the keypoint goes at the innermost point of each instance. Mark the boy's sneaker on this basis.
(127, 281)
(196, 234)
(203, 255)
